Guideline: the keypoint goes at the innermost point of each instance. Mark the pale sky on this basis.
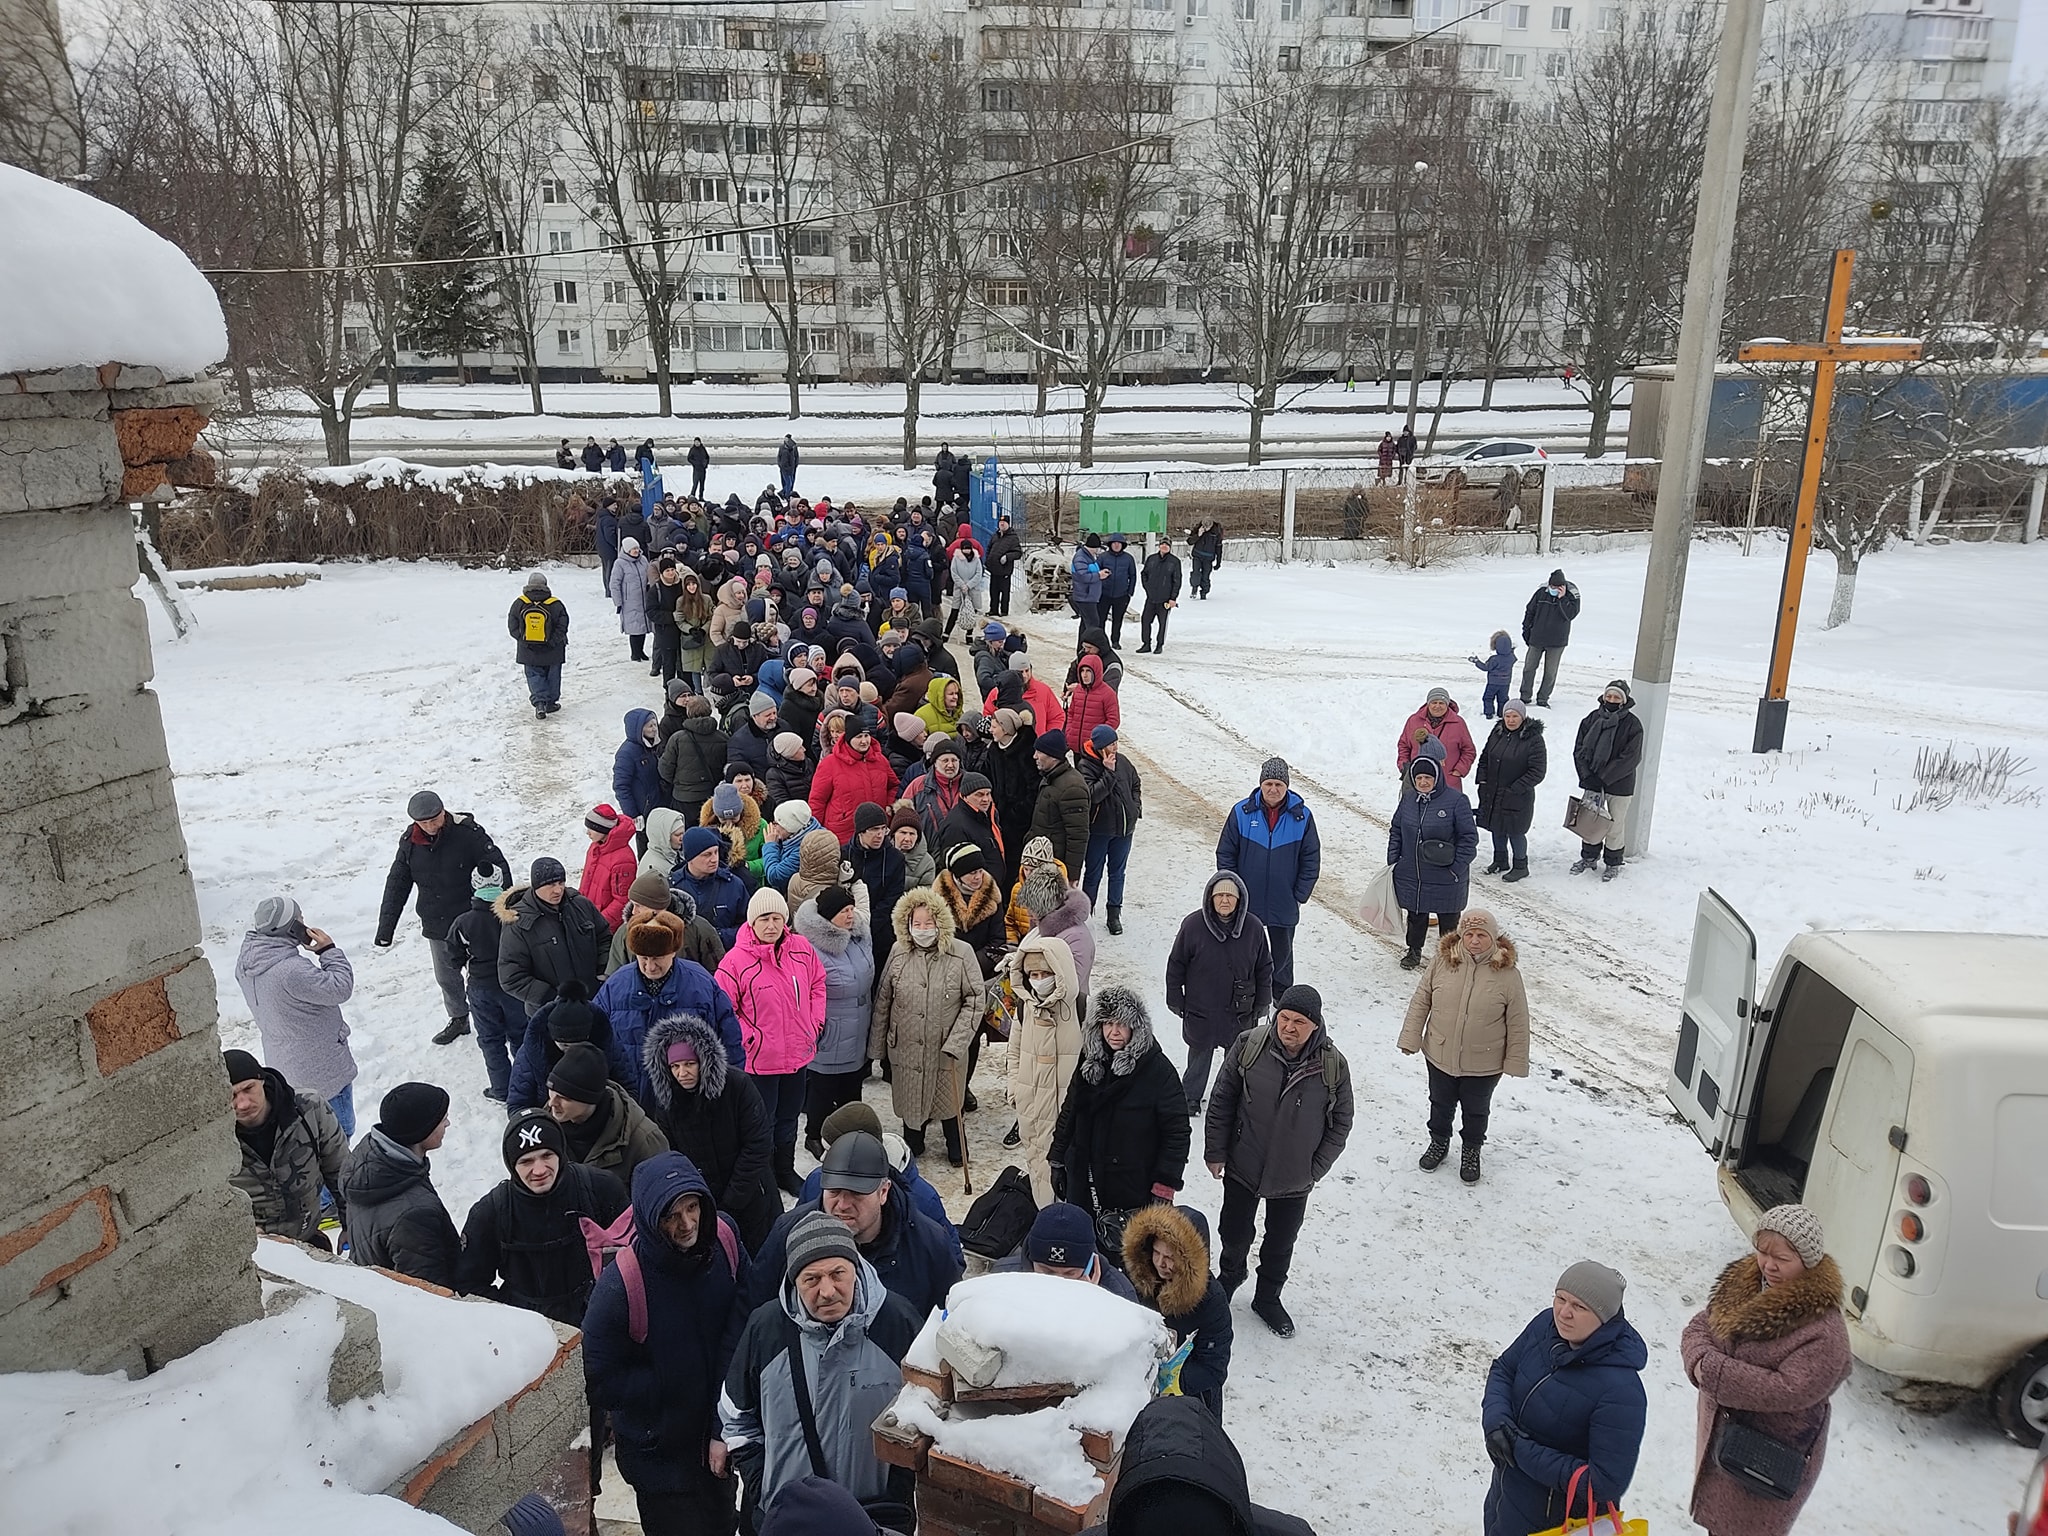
(2030, 45)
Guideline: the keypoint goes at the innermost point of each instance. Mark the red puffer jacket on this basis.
(847, 778)
(608, 871)
(1090, 702)
(1459, 752)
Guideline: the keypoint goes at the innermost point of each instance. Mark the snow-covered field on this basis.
(301, 720)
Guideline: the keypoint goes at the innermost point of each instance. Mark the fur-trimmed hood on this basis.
(1452, 948)
(1058, 958)
(712, 1066)
(968, 911)
(923, 896)
(1741, 1307)
(825, 935)
(1190, 1244)
(1122, 1005)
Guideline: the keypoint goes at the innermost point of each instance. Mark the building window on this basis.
(823, 339)
(761, 245)
(616, 340)
(1244, 10)
(617, 292)
(596, 88)
(859, 248)
(998, 98)
(1560, 18)
(707, 189)
(1514, 66)
(718, 338)
(747, 140)
(1002, 148)
(1554, 66)
(709, 290)
(1290, 10)
(715, 242)
(568, 343)
(1517, 18)
(1484, 59)
(561, 240)
(861, 343)
(811, 242)
(1290, 59)
(1197, 9)
(554, 190)
(761, 338)
(1610, 18)
(565, 291)
(1146, 338)
(1007, 294)
(1156, 99)
(1194, 55)
(1529, 341)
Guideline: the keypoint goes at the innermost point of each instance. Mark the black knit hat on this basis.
(833, 900)
(1302, 999)
(242, 1067)
(581, 1074)
(868, 815)
(572, 1018)
(409, 1112)
(532, 1131)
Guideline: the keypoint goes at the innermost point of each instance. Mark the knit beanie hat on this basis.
(534, 1130)
(677, 689)
(1480, 918)
(697, 839)
(1302, 999)
(648, 892)
(1596, 1285)
(487, 881)
(242, 1067)
(546, 871)
(1019, 662)
(867, 816)
(818, 1236)
(726, 802)
(409, 1112)
(767, 900)
(1102, 736)
(761, 703)
(572, 1018)
(1052, 744)
(965, 860)
(1799, 1227)
(793, 815)
(600, 818)
(1062, 1236)
(788, 744)
(973, 784)
(902, 815)
(536, 581)
(275, 915)
(1275, 768)
(742, 630)
(1437, 696)
(581, 1074)
(909, 728)
(832, 901)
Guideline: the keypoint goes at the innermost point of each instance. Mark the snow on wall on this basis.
(86, 284)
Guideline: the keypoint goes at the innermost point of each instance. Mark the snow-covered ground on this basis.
(301, 720)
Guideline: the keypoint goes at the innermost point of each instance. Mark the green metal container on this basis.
(1107, 512)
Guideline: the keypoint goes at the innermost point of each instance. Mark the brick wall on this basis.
(121, 1244)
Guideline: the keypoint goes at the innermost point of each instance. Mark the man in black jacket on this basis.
(395, 1218)
(1161, 578)
(1119, 586)
(540, 624)
(437, 853)
(552, 936)
(523, 1242)
(1607, 753)
(700, 462)
(1546, 631)
(1060, 813)
(1181, 1473)
(1004, 551)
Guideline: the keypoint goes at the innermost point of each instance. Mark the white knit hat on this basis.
(1799, 1227)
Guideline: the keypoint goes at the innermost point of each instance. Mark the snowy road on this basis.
(300, 720)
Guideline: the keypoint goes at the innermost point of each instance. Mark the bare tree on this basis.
(1622, 144)
(904, 148)
(778, 153)
(630, 102)
(1505, 253)
(41, 124)
(1278, 187)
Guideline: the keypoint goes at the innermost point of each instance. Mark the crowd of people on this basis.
(840, 850)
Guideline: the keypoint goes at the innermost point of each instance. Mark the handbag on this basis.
(1764, 1465)
(890, 1514)
(1109, 1236)
(1439, 852)
(1382, 909)
(1587, 815)
(1608, 1522)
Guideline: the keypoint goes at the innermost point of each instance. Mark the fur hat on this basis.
(656, 934)
(1042, 890)
(1798, 1226)
(1115, 1005)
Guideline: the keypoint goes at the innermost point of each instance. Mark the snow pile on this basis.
(237, 1436)
(386, 470)
(87, 284)
(1042, 1448)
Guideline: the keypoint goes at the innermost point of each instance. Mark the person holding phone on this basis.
(295, 979)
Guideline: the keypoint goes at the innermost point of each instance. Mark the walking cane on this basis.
(960, 1119)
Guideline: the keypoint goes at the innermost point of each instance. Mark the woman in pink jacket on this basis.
(777, 986)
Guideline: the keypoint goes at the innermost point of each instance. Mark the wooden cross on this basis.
(1831, 352)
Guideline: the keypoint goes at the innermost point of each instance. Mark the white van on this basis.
(1896, 1083)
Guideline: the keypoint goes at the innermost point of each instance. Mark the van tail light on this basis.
(1910, 1227)
(1918, 1190)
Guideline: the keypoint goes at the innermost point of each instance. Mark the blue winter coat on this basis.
(607, 534)
(1442, 822)
(1278, 864)
(632, 1004)
(917, 571)
(1575, 1407)
(780, 860)
(537, 1055)
(636, 769)
(1119, 576)
(1087, 576)
(1500, 666)
(911, 1253)
(721, 896)
(663, 1394)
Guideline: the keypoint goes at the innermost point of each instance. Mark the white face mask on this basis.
(1042, 987)
(925, 937)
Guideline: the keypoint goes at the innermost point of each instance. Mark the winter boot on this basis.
(1412, 961)
(815, 1145)
(914, 1140)
(1581, 865)
(1468, 1165)
(540, 711)
(1611, 870)
(969, 1103)
(455, 1030)
(1267, 1309)
(785, 1172)
(1231, 1280)
(1432, 1159)
(952, 1130)
(1520, 871)
(1145, 649)
(1116, 919)
(1014, 1136)
(1497, 866)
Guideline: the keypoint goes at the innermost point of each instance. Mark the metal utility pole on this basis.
(1692, 394)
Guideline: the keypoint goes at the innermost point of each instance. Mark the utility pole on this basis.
(1692, 394)
(1421, 359)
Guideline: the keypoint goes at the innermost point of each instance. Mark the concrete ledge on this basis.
(50, 756)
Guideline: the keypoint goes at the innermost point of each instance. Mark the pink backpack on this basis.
(615, 1243)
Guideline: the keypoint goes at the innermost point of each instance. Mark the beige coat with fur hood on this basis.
(928, 1003)
(1045, 1049)
(1470, 1018)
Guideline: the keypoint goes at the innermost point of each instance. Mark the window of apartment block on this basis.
(568, 342)
(710, 290)
(708, 189)
(998, 96)
(1515, 17)
(861, 343)
(565, 292)
(554, 190)
(718, 338)
(1290, 58)
(1514, 66)
(1197, 9)
(617, 339)
(617, 292)
(811, 242)
(1290, 10)
(760, 338)
(821, 339)
(1560, 18)
(1555, 66)
(561, 240)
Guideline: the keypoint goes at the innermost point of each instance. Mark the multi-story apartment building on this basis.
(749, 101)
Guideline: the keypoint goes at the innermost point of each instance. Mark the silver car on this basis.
(1481, 463)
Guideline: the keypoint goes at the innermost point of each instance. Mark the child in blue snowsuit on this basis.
(1500, 671)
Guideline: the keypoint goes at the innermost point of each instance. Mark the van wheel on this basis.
(2020, 1400)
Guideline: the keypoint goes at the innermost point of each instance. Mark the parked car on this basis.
(1897, 1083)
(1481, 463)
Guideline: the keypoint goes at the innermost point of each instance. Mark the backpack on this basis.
(615, 1243)
(1001, 1216)
(536, 625)
(1254, 1046)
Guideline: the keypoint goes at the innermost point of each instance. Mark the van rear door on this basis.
(1716, 1023)
(1856, 1164)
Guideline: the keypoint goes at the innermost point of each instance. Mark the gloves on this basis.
(1500, 1444)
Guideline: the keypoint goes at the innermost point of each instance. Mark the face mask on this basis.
(1609, 705)
(924, 938)
(1042, 986)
